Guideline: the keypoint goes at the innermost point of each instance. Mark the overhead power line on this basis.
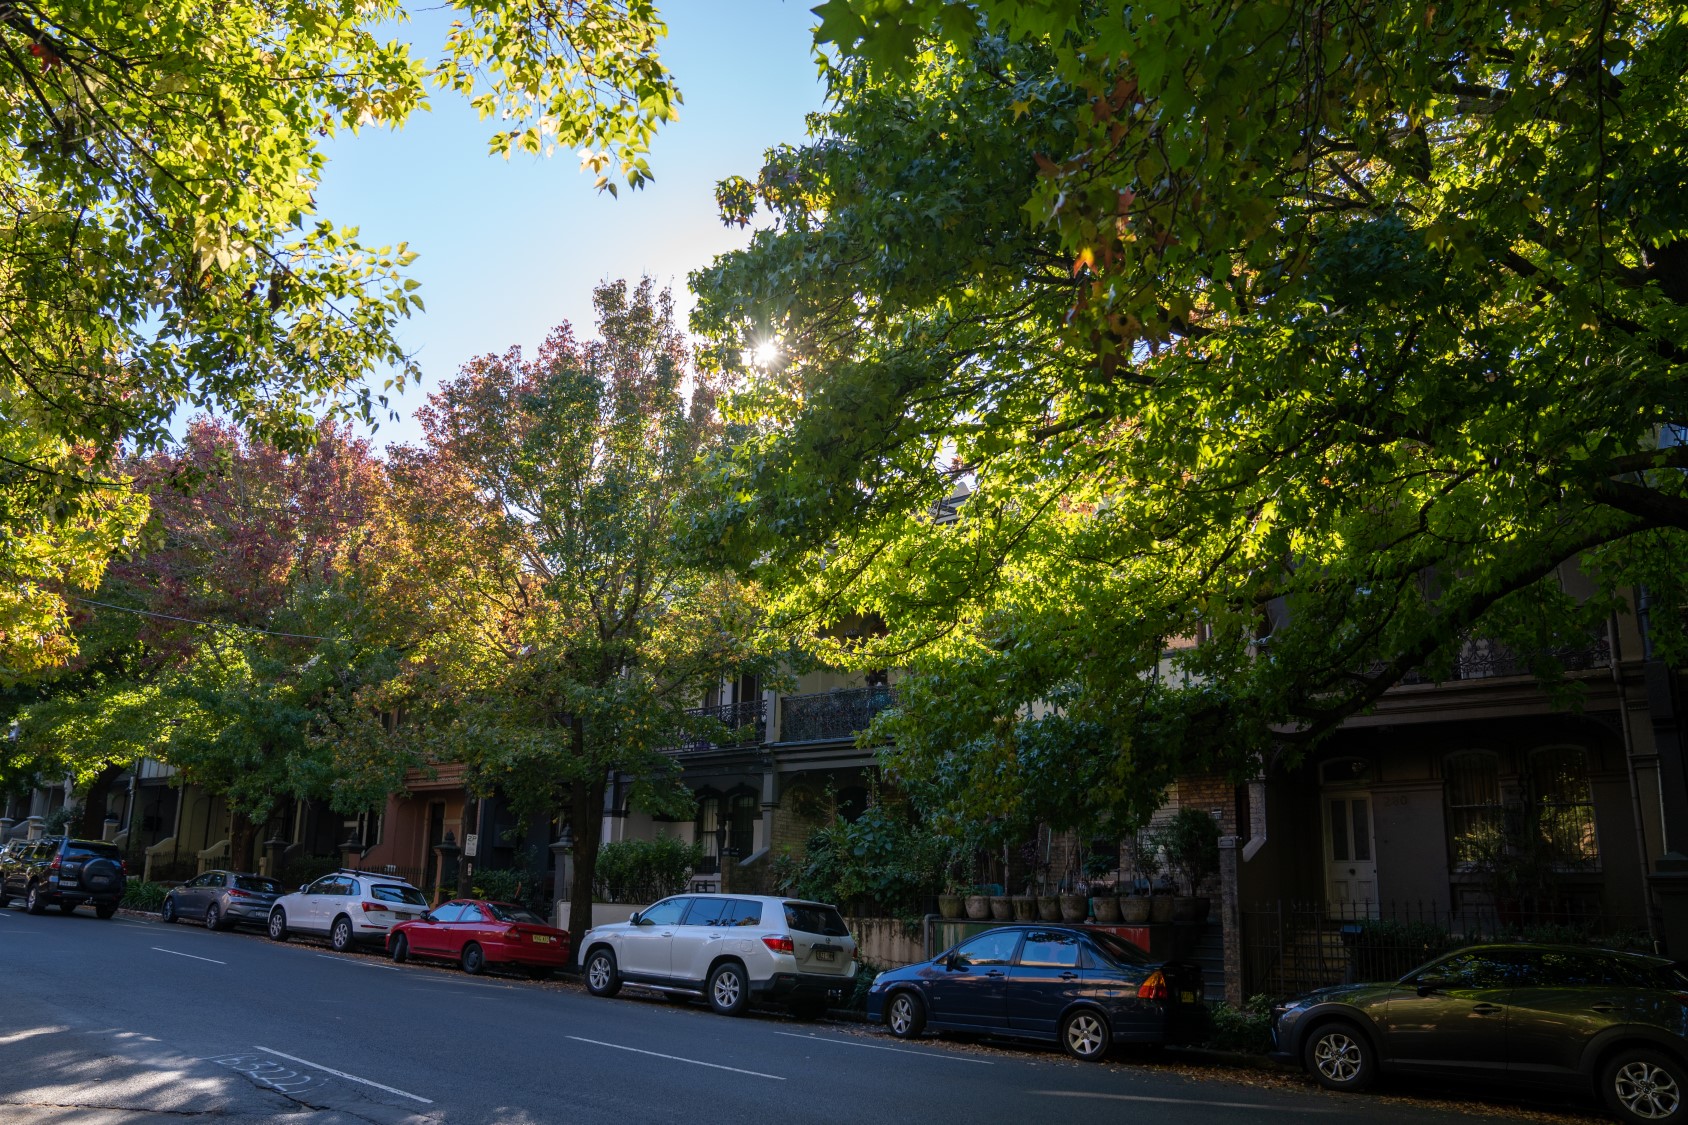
(196, 621)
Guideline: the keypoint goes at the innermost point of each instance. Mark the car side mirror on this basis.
(301, 888)
(953, 962)
(637, 919)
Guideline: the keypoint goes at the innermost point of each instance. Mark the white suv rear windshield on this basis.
(389, 892)
(809, 918)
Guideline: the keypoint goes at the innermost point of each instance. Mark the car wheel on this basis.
(34, 902)
(105, 910)
(1646, 1086)
(1339, 1057)
(167, 912)
(340, 937)
(1085, 1035)
(473, 959)
(401, 949)
(601, 976)
(729, 991)
(213, 917)
(905, 1015)
(278, 925)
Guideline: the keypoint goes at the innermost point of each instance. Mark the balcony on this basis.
(832, 714)
(746, 725)
(1481, 658)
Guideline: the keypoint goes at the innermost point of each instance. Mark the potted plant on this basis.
(1002, 908)
(1049, 907)
(1148, 855)
(1191, 843)
(978, 905)
(1133, 909)
(1104, 904)
(1025, 907)
(950, 900)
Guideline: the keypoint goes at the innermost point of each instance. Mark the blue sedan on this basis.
(1085, 989)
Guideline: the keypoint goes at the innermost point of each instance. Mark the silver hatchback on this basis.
(223, 899)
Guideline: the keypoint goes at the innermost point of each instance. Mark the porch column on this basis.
(1230, 921)
(770, 802)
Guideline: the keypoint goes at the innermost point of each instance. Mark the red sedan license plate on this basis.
(542, 938)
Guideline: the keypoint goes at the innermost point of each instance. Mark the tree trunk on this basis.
(92, 824)
(586, 812)
(241, 834)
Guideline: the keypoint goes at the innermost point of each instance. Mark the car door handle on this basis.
(998, 973)
(1069, 976)
(1488, 1009)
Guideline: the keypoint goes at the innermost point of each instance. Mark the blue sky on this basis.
(507, 249)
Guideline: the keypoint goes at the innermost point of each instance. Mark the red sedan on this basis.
(476, 934)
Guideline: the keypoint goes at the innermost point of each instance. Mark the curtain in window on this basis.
(1471, 790)
(1564, 804)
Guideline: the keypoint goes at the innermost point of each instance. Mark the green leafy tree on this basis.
(228, 644)
(569, 635)
(160, 246)
(1325, 337)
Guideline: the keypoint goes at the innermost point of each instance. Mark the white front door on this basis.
(1350, 857)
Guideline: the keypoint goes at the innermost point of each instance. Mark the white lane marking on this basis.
(196, 957)
(675, 1058)
(878, 1047)
(343, 1074)
(359, 964)
(1182, 1101)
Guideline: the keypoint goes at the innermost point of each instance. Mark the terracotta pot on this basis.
(1002, 908)
(1075, 908)
(1160, 909)
(1106, 908)
(1134, 909)
(1184, 908)
(1049, 908)
(950, 906)
(978, 907)
(1025, 908)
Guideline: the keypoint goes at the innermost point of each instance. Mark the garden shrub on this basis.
(139, 894)
(644, 870)
(1247, 1029)
(504, 884)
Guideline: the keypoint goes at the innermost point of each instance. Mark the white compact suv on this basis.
(728, 949)
(348, 907)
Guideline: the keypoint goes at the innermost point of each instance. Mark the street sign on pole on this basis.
(470, 840)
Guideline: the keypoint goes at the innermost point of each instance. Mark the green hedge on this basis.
(139, 894)
(644, 870)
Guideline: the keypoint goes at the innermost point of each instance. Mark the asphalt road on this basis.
(130, 1020)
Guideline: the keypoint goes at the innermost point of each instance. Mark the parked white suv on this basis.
(728, 949)
(348, 907)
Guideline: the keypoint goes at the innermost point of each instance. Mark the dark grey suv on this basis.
(1568, 1017)
(64, 872)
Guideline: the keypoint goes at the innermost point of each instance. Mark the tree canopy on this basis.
(160, 246)
(1326, 336)
(566, 635)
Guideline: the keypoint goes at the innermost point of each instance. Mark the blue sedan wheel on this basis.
(1085, 1034)
(905, 1015)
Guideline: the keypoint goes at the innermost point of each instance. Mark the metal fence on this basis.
(745, 722)
(1291, 947)
(832, 714)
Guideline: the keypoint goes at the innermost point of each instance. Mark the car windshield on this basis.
(504, 912)
(812, 918)
(1117, 949)
(393, 892)
(258, 884)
